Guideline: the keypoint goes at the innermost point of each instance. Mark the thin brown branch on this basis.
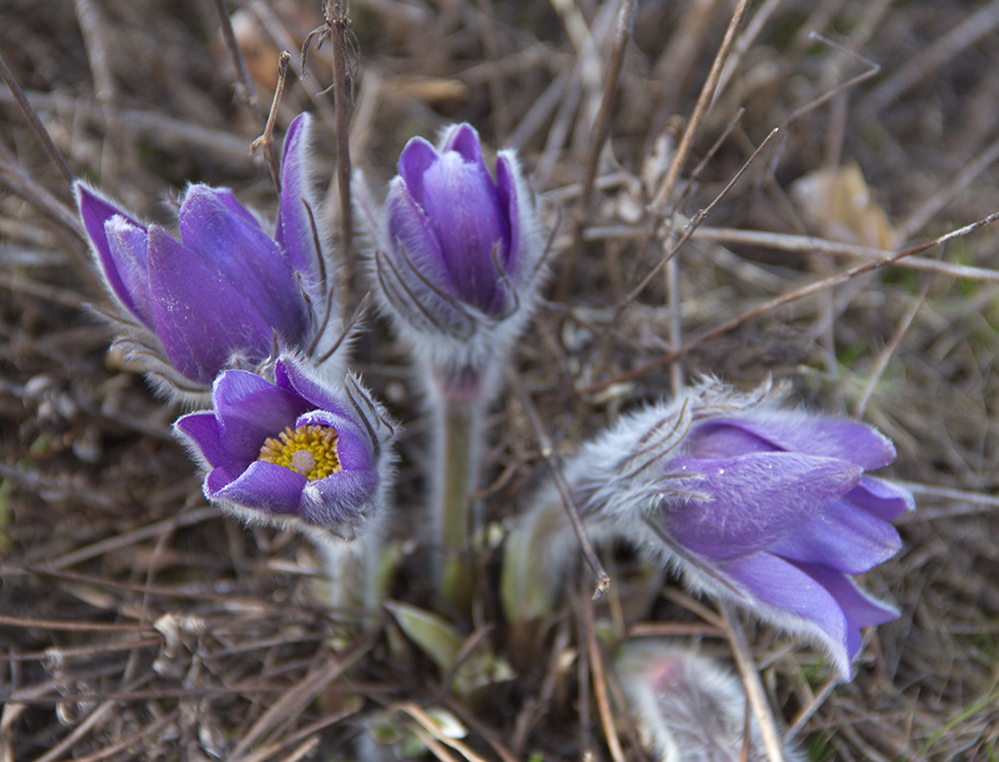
(299, 696)
(700, 109)
(603, 581)
(599, 679)
(809, 244)
(36, 123)
(819, 285)
(54, 624)
(266, 141)
(244, 85)
(967, 33)
(601, 128)
(751, 682)
(432, 728)
(337, 25)
(18, 181)
(889, 351)
(695, 222)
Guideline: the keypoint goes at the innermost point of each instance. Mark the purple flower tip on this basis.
(769, 507)
(297, 450)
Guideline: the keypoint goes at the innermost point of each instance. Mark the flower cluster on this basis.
(233, 314)
(767, 507)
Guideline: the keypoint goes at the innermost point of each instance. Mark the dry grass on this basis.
(136, 623)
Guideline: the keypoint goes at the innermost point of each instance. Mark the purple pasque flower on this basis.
(458, 254)
(221, 295)
(770, 508)
(299, 451)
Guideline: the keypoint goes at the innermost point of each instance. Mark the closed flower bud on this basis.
(299, 451)
(224, 295)
(687, 707)
(458, 254)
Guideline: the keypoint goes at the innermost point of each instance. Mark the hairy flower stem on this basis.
(458, 428)
(351, 570)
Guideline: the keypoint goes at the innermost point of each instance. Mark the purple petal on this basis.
(506, 191)
(750, 502)
(860, 609)
(95, 213)
(415, 241)
(128, 244)
(882, 499)
(295, 233)
(202, 431)
(802, 604)
(462, 206)
(265, 487)
(841, 536)
(408, 225)
(250, 410)
(819, 435)
(337, 499)
(723, 439)
(416, 158)
(290, 376)
(247, 257)
(201, 320)
(463, 139)
(229, 202)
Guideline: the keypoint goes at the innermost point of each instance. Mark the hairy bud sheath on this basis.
(687, 707)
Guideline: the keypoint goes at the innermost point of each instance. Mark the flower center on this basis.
(307, 450)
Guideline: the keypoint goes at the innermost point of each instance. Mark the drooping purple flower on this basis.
(298, 451)
(218, 297)
(770, 508)
(458, 254)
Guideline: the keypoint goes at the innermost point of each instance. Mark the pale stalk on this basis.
(459, 402)
(460, 445)
(352, 572)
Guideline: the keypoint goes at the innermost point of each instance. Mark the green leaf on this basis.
(436, 637)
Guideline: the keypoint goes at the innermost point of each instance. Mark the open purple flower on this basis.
(220, 296)
(458, 253)
(297, 451)
(770, 508)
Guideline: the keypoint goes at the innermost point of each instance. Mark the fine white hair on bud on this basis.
(687, 707)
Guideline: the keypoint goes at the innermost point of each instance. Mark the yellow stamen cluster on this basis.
(308, 450)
